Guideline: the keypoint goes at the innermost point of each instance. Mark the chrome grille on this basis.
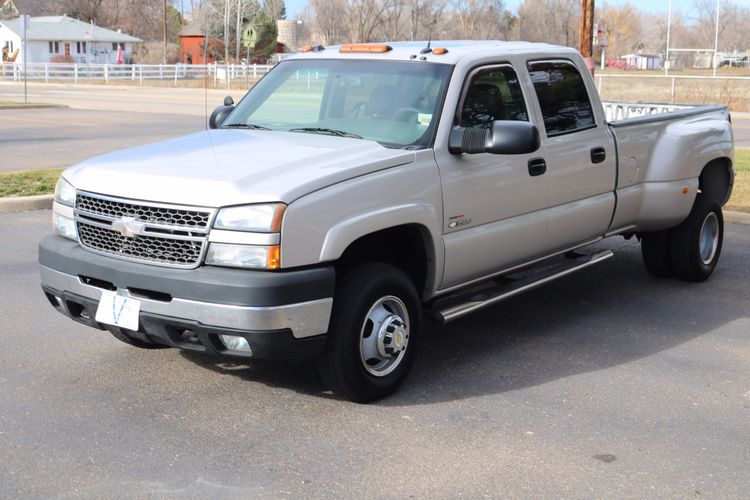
(150, 248)
(168, 216)
(167, 235)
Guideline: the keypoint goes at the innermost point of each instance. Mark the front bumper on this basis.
(281, 314)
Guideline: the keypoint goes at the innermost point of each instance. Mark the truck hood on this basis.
(232, 167)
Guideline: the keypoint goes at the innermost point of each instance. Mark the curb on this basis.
(44, 202)
(34, 106)
(23, 203)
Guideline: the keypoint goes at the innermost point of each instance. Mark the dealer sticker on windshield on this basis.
(118, 311)
(424, 119)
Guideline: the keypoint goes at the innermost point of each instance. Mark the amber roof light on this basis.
(365, 48)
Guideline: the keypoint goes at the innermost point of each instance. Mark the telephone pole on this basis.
(585, 43)
(164, 48)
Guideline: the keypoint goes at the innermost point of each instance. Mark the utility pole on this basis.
(238, 30)
(164, 48)
(226, 31)
(585, 43)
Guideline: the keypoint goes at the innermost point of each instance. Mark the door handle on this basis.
(598, 155)
(537, 166)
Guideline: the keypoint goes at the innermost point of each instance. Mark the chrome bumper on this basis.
(304, 319)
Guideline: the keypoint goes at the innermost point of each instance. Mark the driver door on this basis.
(492, 203)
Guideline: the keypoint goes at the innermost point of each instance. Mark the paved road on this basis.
(99, 120)
(607, 383)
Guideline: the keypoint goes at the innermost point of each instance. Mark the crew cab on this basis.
(358, 190)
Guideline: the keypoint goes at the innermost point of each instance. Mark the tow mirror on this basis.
(503, 137)
(220, 114)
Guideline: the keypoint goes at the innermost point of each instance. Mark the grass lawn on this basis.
(29, 183)
(741, 195)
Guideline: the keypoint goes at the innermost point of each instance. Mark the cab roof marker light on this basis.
(439, 51)
(373, 49)
(312, 48)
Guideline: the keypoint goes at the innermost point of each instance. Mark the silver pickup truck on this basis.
(358, 190)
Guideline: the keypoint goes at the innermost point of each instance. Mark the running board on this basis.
(519, 286)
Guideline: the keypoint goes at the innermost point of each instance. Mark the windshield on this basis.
(392, 102)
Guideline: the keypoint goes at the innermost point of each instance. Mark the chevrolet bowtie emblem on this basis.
(128, 226)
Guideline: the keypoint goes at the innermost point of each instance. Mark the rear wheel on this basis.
(372, 337)
(656, 254)
(695, 245)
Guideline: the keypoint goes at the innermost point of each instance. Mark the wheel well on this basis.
(716, 180)
(402, 246)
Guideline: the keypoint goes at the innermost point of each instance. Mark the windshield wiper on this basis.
(250, 126)
(329, 131)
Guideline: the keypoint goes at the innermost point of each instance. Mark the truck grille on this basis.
(166, 235)
(155, 215)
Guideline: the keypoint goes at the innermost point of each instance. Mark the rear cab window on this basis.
(563, 98)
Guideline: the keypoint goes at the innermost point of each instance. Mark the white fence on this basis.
(216, 74)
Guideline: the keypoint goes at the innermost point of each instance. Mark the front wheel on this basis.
(695, 245)
(372, 337)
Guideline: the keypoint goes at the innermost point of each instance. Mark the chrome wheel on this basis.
(384, 336)
(708, 240)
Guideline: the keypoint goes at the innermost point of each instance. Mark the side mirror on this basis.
(504, 137)
(219, 115)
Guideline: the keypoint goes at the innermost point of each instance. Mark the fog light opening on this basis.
(235, 343)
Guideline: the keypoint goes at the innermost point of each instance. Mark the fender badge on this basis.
(458, 220)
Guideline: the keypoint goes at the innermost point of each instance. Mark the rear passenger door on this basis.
(578, 151)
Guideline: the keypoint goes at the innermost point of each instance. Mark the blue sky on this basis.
(294, 7)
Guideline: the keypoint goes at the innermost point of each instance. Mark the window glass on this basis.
(493, 94)
(392, 102)
(562, 97)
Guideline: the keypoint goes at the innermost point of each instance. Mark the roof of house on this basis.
(195, 28)
(649, 56)
(66, 28)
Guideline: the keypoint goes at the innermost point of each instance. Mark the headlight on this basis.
(264, 218)
(258, 257)
(65, 193)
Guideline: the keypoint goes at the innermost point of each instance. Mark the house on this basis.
(192, 39)
(64, 39)
(642, 61)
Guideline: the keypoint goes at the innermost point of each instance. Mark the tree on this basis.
(551, 21)
(623, 27)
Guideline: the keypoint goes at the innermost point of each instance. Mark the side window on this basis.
(493, 94)
(562, 97)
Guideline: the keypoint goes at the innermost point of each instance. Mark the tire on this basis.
(122, 337)
(695, 245)
(373, 333)
(656, 253)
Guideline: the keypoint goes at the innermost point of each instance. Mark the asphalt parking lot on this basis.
(607, 383)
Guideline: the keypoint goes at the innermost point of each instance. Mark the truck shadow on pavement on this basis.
(603, 317)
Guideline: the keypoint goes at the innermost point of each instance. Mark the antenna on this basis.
(428, 49)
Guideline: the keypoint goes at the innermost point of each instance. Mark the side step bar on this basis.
(519, 286)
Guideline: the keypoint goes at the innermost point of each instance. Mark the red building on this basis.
(192, 39)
